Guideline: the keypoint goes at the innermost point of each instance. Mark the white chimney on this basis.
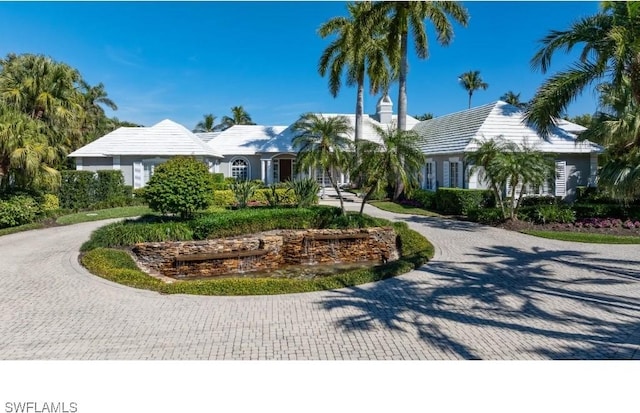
(384, 109)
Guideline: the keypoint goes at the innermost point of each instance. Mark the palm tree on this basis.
(610, 55)
(513, 98)
(359, 50)
(503, 163)
(471, 81)
(239, 116)
(395, 161)
(323, 142)
(207, 124)
(424, 116)
(409, 16)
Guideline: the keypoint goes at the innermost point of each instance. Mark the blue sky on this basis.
(181, 60)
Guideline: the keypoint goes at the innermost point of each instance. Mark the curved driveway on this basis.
(488, 293)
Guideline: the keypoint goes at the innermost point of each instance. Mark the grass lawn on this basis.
(86, 216)
(20, 228)
(402, 209)
(584, 237)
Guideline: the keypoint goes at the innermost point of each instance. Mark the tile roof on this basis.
(243, 139)
(164, 138)
(454, 133)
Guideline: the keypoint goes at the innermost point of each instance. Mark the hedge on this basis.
(606, 210)
(77, 189)
(457, 201)
(426, 199)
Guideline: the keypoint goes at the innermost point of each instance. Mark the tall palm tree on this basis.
(359, 50)
(409, 17)
(610, 54)
(472, 81)
(239, 116)
(513, 98)
(395, 161)
(207, 124)
(323, 142)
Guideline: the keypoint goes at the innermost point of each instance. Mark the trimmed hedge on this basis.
(77, 189)
(425, 199)
(488, 216)
(602, 210)
(457, 201)
(129, 232)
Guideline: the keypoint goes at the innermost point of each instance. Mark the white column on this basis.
(116, 162)
(269, 172)
(263, 172)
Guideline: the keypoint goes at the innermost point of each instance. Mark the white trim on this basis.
(116, 162)
(235, 158)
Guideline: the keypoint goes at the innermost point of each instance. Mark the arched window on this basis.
(240, 170)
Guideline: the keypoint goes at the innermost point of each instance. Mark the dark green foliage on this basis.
(534, 200)
(602, 210)
(179, 186)
(129, 232)
(456, 201)
(118, 266)
(18, 210)
(248, 221)
(488, 216)
(77, 189)
(109, 186)
(352, 220)
(217, 178)
(547, 214)
(426, 199)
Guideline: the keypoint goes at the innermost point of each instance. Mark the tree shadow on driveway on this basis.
(506, 302)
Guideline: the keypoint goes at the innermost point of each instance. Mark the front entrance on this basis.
(285, 170)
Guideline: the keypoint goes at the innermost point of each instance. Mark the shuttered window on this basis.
(445, 174)
(561, 178)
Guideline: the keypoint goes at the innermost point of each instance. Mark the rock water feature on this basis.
(281, 253)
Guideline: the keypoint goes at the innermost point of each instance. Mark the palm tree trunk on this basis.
(358, 128)
(402, 84)
(470, 93)
(335, 186)
(367, 195)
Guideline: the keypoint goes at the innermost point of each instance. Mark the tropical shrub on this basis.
(274, 195)
(181, 186)
(600, 210)
(457, 201)
(223, 198)
(217, 178)
(77, 189)
(18, 210)
(129, 232)
(305, 191)
(243, 191)
(488, 216)
(548, 214)
(533, 200)
(49, 202)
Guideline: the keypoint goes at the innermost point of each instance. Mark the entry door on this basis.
(285, 170)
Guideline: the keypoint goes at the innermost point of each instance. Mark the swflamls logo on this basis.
(40, 407)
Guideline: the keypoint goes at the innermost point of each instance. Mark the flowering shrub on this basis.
(607, 223)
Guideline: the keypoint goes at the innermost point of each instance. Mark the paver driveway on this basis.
(487, 294)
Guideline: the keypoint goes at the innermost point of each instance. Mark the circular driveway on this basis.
(488, 294)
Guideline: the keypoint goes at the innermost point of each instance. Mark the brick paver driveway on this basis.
(488, 294)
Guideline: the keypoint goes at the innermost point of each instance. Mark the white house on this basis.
(447, 139)
(137, 150)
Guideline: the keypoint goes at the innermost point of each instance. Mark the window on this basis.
(276, 170)
(428, 177)
(454, 174)
(240, 170)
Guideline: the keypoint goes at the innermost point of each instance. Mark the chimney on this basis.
(384, 109)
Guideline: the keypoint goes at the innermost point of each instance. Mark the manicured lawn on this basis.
(584, 237)
(86, 216)
(20, 228)
(402, 209)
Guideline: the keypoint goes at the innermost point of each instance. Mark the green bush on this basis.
(457, 201)
(548, 214)
(274, 196)
(18, 210)
(220, 186)
(426, 199)
(77, 189)
(217, 178)
(248, 221)
(181, 185)
(606, 210)
(488, 216)
(49, 202)
(110, 186)
(243, 191)
(223, 198)
(533, 200)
